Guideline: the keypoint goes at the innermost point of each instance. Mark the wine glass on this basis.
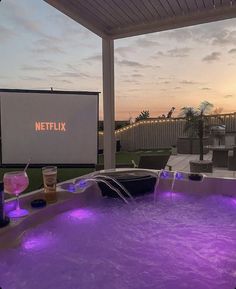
(14, 184)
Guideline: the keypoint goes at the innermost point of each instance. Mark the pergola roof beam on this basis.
(115, 19)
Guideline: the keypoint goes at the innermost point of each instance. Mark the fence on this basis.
(160, 133)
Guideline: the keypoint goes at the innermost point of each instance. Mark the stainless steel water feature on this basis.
(96, 180)
(118, 183)
(176, 175)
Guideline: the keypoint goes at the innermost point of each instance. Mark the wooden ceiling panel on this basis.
(126, 10)
(217, 3)
(184, 6)
(167, 7)
(209, 4)
(119, 10)
(159, 8)
(176, 7)
(147, 9)
(200, 4)
(192, 5)
(226, 2)
(89, 13)
(101, 12)
(139, 13)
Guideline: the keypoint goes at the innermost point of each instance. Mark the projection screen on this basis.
(49, 127)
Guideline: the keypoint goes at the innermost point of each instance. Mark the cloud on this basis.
(224, 37)
(181, 34)
(32, 78)
(124, 50)
(66, 81)
(137, 75)
(214, 34)
(48, 45)
(206, 88)
(212, 57)
(45, 61)
(6, 33)
(133, 64)
(70, 75)
(132, 81)
(228, 96)
(37, 68)
(144, 42)
(69, 28)
(95, 57)
(175, 52)
(19, 15)
(165, 82)
(189, 82)
(231, 51)
(165, 78)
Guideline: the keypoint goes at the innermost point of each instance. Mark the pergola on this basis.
(114, 19)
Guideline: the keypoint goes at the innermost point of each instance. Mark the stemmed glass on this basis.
(14, 184)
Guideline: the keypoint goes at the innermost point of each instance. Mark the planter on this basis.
(174, 150)
(201, 166)
(186, 145)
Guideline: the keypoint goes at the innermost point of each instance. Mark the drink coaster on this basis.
(38, 203)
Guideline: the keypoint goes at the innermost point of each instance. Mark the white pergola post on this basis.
(109, 143)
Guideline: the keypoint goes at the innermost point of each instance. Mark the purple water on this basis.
(181, 242)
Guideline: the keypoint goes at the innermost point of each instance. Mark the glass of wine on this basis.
(14, 184)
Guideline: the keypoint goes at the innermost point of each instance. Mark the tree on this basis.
(196, 122)
(143, 115)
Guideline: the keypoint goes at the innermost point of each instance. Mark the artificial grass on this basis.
(35, 174)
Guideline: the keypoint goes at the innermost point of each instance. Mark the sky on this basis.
(41, 48)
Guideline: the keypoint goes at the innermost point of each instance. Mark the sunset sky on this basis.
(42, 48)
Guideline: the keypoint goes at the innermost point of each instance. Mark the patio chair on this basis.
(156, 162)
(232, 159)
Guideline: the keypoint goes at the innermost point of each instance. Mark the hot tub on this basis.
(186, 239)
(138, 183)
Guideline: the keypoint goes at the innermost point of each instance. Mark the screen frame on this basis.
(39, 165)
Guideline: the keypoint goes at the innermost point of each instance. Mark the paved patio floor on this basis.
(181, 163)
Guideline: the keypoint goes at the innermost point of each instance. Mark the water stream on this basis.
(157, 185)
(108, 184)
(118, 183)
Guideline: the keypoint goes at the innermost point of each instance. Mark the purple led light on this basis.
(37, 242)
(9, 206)
(81, 214)
(82, 184)
(18, 213)
(71, 188)
(179, 176)
(234, 201)
(164, 174)
(168, 194)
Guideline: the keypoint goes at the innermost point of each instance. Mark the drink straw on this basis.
(26, 167)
